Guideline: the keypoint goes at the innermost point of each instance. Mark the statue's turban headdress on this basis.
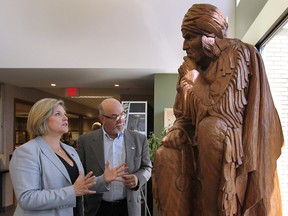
(205, 19)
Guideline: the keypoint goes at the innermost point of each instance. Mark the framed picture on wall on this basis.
(136, 112)
(169, 117)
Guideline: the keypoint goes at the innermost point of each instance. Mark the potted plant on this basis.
(154, 143)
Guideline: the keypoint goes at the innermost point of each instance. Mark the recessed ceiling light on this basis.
(116, 85)
(53, 84)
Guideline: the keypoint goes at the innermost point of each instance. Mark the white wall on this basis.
(96, 33)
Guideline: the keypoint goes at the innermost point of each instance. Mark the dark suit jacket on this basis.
(91, 152)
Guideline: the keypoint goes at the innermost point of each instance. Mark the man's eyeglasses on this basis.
(115, 117)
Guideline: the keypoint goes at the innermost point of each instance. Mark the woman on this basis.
(47, 175)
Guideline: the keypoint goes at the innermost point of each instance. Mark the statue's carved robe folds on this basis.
(228, 164)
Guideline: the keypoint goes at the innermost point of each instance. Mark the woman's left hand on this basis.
(82, 184)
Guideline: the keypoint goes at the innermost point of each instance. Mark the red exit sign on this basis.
(72, 92)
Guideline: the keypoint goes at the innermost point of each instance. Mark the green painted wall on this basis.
(164, 96)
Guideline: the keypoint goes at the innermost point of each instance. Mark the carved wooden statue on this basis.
(219, 158)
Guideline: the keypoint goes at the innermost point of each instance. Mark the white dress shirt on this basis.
(114, 151)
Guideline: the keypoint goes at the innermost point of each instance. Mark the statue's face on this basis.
(193, 45)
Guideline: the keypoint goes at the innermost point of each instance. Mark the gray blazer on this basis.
(41, 182)
(91, 152)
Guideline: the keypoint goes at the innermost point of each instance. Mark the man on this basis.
(227, 135)
(115, 144)
(96, 126)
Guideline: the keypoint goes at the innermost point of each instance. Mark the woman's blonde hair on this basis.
(39, 114)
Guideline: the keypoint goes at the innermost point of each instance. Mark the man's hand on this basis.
(113, 174)
(131, 180)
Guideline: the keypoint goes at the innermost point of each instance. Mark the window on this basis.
(275, 55)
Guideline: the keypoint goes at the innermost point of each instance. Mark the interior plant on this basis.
(155, 142)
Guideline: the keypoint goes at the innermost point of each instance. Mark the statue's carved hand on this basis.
(185, 86)
(175, 139)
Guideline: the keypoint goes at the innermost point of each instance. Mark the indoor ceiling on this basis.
(93, 83)
(93, 45)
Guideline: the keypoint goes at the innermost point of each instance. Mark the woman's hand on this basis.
(82, 184)
(113, 174)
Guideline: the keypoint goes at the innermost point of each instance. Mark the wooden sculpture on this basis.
(219, 157)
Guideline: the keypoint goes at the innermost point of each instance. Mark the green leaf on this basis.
(154, 143)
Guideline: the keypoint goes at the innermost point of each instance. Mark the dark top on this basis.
(73, 173)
